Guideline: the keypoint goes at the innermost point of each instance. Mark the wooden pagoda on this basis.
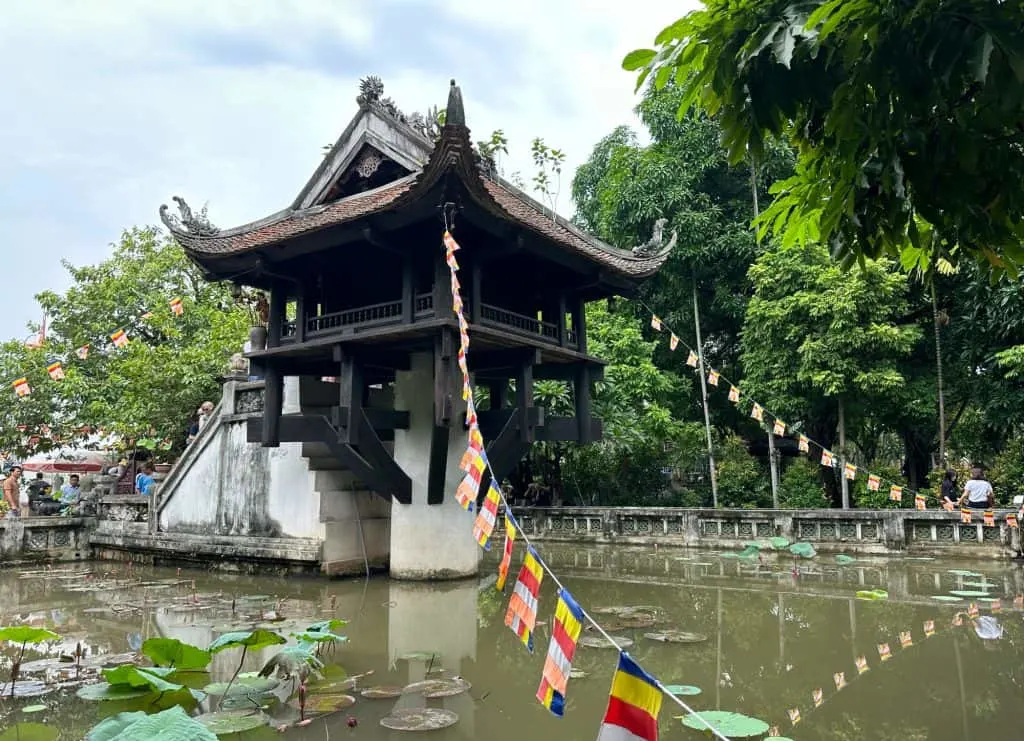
(357, 281)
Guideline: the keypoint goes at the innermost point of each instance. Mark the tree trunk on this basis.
(938, 376)
(773, 468)
(704, 396)
(843, 481)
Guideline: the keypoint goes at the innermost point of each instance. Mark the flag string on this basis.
(896, 490)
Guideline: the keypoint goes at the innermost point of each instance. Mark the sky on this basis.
(110, 108)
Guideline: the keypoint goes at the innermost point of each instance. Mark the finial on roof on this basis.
(455, 114)
(196, 224)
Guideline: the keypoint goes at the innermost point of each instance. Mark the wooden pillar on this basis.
(278, 302)
(273, 397)
(300, 314)
(442, 289)
(584, 409)
(408, 290)
(350, 395)
(444, 354)
(579, 324)
(563, 334)
(475, 292)
(524, 402)
(498, 391)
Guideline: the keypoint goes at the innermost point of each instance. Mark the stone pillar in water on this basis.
(429, 541)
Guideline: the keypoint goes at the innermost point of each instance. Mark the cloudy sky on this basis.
(109, 108)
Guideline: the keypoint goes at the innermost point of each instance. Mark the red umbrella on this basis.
(72, 461)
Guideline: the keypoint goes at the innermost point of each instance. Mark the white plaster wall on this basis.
(429, 541)
(193, 505)
(293, 502)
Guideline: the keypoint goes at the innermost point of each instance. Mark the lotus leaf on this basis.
(247, 639)
(33, 708)
(225, 722)
(978, 584)
(946, 598)
(602, 642)
(27, 634)
(872, 594)
(731, 725)
(136, 676)
(968, 593)
(842, 559)
(315, 636)
(328, 626)
(324, 704)
(172, 724)
(779, 542)
(803, 550)
(29, 732)
(682, 690)
(243, 685)
(419, 719)
(106, 692)
(26, 688)
(961, 572)
(172, 652)
(676, 636)
(382, 692)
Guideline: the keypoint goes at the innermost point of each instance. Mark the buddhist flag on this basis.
(929, 628)
(734, 394)
(757, 412)
(565, 631)
(21, 387)
(467, 491)
(995, 605)
(450, 247)
(506, 555)
(673, 342)
(989, 518)
(972, 611)
(177, 308)
(920, 502)
(965, 516)
(692, 359)
(840, 679)
(896, 493)
(55, 370)
(819, 697)
(779, 428)
(486, 517)
(655, 323)
(633, 705)
(713, 377)
(794, 715)
(906, 640)
(884, 652)
(805, 444)
(476, 446)
(873, 482)
(119, 338)
(147, 315)
(1011, 520)
(826, 458)
(850, 471)
(958, 620)
(862, 665)
(82, 352)
(521, 616)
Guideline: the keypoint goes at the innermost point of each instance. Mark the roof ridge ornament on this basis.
(371, 95)
(655, 245)
(198, 225)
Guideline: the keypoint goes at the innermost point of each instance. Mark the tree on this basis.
(820, 344)
(901, 111)
(147, 389)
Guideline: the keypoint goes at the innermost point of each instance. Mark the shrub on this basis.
(800, 486)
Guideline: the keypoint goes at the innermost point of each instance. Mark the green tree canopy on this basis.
(901, 110)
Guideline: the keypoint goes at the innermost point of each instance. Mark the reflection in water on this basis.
(774, 636)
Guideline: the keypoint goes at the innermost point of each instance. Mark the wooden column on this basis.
(350, 395)
(563, 334)
(300, 315)
(579, 324)
(498, 391)
(278, 301)
(408, 290)
(442, 289)
(524, 402)
(584, 410)
(273, 397)
(444, 357)
(475, 292)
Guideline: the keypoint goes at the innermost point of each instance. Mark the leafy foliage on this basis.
(172, 724)
(173, 653)
(248, 639)
(903, 112)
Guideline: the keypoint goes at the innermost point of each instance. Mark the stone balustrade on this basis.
(45, 539)
(830, 530)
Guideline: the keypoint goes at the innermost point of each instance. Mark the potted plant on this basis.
(258, 309)
(161, 453)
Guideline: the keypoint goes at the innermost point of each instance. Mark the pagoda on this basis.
(359, 292)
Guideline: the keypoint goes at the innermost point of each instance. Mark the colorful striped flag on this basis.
(469, 489)
(884, 652)
(147, 315)
(1011, 520)
(713, 377)
(965, 516)
(757, 412)
(794, 715)
(656, 323)
(55, 370)
(565, 631)
(779, 428)
(506, 555)
(21, 387)
(929, 628)
(850, 471)
(633, 705)
(476, 446)
(82, 352)
(692, 359)
(177, 308)
(989, 518)
(906, 640)
(896, 493)
(920, 502)
(819, 697)
(673, 342)
(804, 444)
(119, 338)
(826, 458)
(840, 679)
(487, 516)
(521, 616)
(862, 664)
(734, 394)
(873, 482)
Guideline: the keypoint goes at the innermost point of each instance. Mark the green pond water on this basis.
(773, 637)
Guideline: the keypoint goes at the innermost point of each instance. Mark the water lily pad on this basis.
(803, 550)
(225, 722)
(946, 598)
(842, 559)
(978, 584)
(779, 542)
(676, 636)
(961, 572)
(637, 620)
(382, 692)
(328, 626)
(435, 688)
(968, 593)
(872, 594)
(33, 708)
(602, 642)
(29, 732)
(419, 719)
(578, 674)
(25, 688)
(731, 725)
(323, 704)
(243, 685)
(682, 690)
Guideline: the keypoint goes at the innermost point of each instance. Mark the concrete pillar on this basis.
(429, 541)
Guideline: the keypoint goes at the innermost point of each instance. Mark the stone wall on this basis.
(44, 539)
(848, 531)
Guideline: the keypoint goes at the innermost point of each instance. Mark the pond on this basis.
(769, 634)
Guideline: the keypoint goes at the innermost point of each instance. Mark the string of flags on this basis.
(850, 471)
(55, 366)
(635, 697)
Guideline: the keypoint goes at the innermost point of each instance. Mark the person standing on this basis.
(978, 492)
(12, 490)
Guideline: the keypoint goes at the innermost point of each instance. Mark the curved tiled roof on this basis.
(453, 154)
